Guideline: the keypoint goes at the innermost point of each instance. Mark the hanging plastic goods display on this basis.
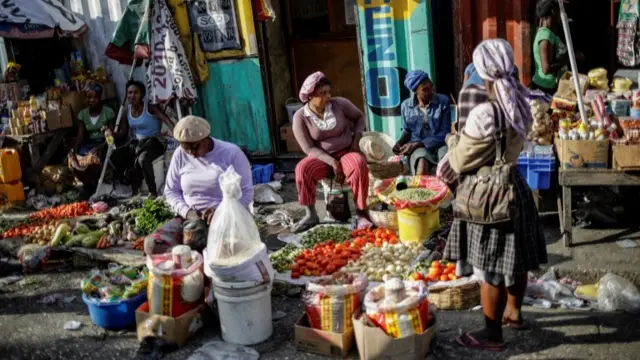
(330, 302)
(400, 308)
(235, 251)
(172, 290)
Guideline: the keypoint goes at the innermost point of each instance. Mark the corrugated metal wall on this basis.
(477, 20)
(102, 16)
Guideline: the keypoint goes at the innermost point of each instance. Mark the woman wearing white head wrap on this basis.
(500, 254)
(191, 187)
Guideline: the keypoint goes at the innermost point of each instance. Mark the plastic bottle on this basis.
(108, 135)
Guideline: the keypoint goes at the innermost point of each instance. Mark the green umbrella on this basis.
(131, 39)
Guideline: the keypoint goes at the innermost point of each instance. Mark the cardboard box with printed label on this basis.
(286, 134)
(583, 153)
(626, 157)
(374, 344)
(173, 330)
(58, 119)
(321, 342)
(76, 100)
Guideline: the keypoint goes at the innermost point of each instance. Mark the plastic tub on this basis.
(114, 315)
(244, 309)
(292, 106)
(262, 173)
(537, 171)
(416, 224)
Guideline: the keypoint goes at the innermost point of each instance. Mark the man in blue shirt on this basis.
(426, 121)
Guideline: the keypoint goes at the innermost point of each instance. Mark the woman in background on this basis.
(329, 131)
(145, 122)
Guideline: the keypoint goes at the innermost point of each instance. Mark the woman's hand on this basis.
(409, 148)
(207, 215)
(193, 215)
(337, 170)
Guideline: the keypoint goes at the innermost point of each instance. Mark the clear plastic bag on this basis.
(233, 235)
(618, 293)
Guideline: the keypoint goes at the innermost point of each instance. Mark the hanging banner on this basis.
(38, 19)
(168, 73)
(216, 23)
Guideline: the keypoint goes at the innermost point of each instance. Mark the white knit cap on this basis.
(191, 129)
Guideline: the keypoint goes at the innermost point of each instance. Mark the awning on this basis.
(37, 19)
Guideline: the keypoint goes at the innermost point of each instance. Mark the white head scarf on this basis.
(493, 60)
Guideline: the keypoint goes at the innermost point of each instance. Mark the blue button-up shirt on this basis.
(430, 128)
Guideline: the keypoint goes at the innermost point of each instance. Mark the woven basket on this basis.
(462, 297)
(385, 170)
(387, 219)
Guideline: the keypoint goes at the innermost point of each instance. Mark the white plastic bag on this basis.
(618, 293)
(233, 234)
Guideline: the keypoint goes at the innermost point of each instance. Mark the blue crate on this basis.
(262, 173)
(537, 171)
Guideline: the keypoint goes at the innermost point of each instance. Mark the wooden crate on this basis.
(626, 157)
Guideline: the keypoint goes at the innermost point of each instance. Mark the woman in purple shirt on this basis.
(191, 187)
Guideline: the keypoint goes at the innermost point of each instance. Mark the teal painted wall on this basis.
(233, 102)
(396, 36)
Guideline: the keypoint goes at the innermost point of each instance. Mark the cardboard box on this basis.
(626, 157)
(173, 330)
(321, 342)
(566, 90)
(373, 343)
(58, 119)
(583, 153)
(13, 92)
(286, 134)
(109, 91)
(76, 100)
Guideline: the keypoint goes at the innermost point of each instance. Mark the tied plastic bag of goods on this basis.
(173, 291)
(331, 301)
(399, 308)
(235, 252)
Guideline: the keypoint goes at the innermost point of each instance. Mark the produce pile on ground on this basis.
(387, 261)
(436, 270)
(321, 234)
(66, 211)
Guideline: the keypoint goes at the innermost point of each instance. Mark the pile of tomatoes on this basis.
(377, 237)
(65, 211)
(440, 271)
(324, 259)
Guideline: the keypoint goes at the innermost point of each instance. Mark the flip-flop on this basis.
(515, 325)
(472, 343)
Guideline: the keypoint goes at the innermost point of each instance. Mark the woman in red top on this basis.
(328, 131)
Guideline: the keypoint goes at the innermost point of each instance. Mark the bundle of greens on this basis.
(152, 214)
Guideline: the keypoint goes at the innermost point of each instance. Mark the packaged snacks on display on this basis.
(331, 301)
(400, 308)
(173, 291)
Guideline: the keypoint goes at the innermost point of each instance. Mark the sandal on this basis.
(300, 228)
(468, 341)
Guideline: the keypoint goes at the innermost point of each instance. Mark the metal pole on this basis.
(572, 59)
(112, 147)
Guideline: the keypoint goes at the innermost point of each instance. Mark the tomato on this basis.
(436, 264)
(434, 272)
(448, 271)
(451, 265)
(453, 277)
(444, 278)
(295, 267)
(378, 243)
(301, 262)
(315, 273)
(331, 268)
(307, 273)
(295, 275)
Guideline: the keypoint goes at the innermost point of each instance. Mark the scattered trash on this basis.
(69, 299)
(476, 308)
(31, 280)
(618, 293)
(218, 350)
(51, 299)
(73, 325)
(627, 244)
(537, 303)
(280, 217)
(265, 194)
(9, 280)
(277, 315)
(279, 176)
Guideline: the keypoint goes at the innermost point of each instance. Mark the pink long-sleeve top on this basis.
(193, 183)
(320, 139)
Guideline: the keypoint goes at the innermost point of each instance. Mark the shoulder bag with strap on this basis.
(486, 197)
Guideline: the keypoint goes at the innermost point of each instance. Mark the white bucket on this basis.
(292, 106)
(244, 309)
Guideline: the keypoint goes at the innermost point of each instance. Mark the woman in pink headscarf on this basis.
(328, 131)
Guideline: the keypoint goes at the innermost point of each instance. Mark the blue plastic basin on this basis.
(117, 315)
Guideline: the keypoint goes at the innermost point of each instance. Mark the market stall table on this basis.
(53, 139)
(586, 177)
